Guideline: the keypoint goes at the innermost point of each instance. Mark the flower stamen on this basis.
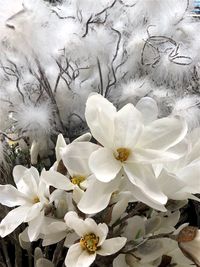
(122, 154)
(36, 200)
(89, 242)
(78, 179)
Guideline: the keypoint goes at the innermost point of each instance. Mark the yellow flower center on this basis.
(36, 200)
(77, 179)
(89, 242)
(122, 154)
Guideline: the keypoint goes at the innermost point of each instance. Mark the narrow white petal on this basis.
(102, 232)
(163, 133)
(141, 196)
(60, 144)
(74, 222)
(73, 254)
(99, 114)
(12, 220)
(34, 227)
(100, 193)
(56, 180)
(143, 177)
(111, 246)
(75, 157)
(20, 172)
(11, 197)
(149, 109)
(170, 184)
(147, 156)
(34, 211)
(104, 165)
(128, 127)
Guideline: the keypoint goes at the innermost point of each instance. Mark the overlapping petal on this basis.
(163, 133)
(104, 165)
(12, 220)
(143, 177)
(11, 197)
(128, 127)
(100, 193)
(75, 157)
(57, 180)
(111, 246)
(99, 114)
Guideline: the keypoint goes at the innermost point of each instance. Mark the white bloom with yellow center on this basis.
(92, 241)
(131, 145)
(31, 195)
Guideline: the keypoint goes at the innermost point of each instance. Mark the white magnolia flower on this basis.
(128, 144)
(92, 241)
(179, 180)
(31, 195)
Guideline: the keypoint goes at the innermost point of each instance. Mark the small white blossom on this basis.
(92, 241)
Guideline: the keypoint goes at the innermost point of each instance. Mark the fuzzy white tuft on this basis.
(188, 108)
(34, 121)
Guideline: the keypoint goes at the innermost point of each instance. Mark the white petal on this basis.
(171, 185)
(75, 157)
(55, 227)
(84, 138)
(111, 246)
(135, 228)
(104, 165)
(149, 109)
(85, 259)
(120, 206)
(53, 238)
(102, 232)
(28, 185)
(163, 133)
(20, 171)
(34, 211)
(147, 156)
(56, 180)
(10, 196)
(141, 196)
(100, 193)
(74, 222)
(128, 127)
(73, 254)
(60, 144)
(99, 113)
(35, 227)
(190, 176)
(143, 177)
(12, 220)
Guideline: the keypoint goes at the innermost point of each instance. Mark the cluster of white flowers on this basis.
(113, 190)
(83, 200)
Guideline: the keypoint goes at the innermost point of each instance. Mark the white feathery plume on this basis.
(34, 120)
(188, 107)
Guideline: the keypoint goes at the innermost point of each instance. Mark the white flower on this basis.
(31, 196)
(126, 140)
(92, 241)
(179, 180)
(129, 144)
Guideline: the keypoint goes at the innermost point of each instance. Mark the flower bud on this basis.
(189, 242)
